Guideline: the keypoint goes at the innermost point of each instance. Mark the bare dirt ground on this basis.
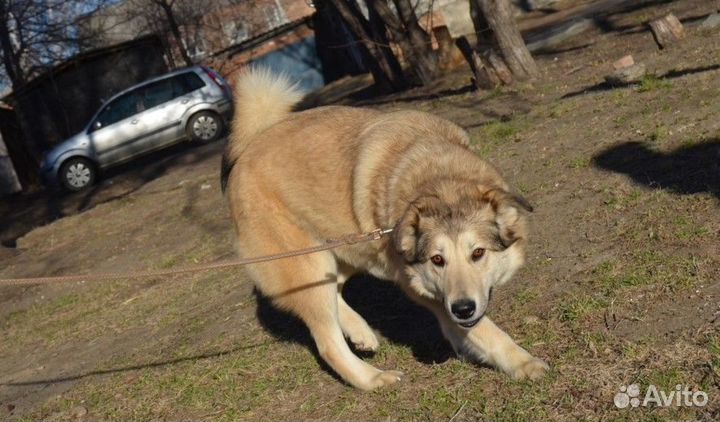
(622, 283)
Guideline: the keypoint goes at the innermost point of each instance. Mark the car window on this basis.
(186, 83)
(156, 93)
(118, 109)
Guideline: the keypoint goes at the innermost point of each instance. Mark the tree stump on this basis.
(667, 30)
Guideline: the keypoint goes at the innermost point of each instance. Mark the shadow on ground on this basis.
(624, 30)
(383, 306)
(432, 95)
(157, 364)
(675, 73)
(686, 170)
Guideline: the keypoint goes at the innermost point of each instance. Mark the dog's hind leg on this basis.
(307, 286)
(353, 325)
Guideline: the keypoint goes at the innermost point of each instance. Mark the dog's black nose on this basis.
(463, 308)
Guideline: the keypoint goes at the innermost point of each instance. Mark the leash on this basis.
(351, 239)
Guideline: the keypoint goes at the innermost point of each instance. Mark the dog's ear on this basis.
(407, 230)
(508, 209)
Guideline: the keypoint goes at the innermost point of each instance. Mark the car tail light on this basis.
(219, 81)
(215, 77)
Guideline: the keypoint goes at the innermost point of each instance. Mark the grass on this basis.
(713, 347)
(500, 131)
(491, 135)
(652, 83)
(666, 378)
(580, 163)
(577, 307)
(619, 95)
(688, 230)
(621, 200)
(526, 296)
(49, 319)
(561, 108)
(648, 267)
(613, 279)
(635, 349)
(659, 134)
(441, 403)
(231, 384)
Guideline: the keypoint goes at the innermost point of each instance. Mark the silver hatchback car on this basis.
(194, 103)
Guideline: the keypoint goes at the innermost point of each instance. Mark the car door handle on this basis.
(134, 121)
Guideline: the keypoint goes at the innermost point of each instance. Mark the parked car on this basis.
(194, 104)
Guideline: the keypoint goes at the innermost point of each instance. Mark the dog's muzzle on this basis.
(470, 324)
(466, 313)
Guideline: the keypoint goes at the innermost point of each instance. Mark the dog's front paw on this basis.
(380, 379)
(385, 378)
(533, 368)
(364, 340)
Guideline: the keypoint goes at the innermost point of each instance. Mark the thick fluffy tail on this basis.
(262, 98)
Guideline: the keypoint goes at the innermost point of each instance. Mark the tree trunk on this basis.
(483, 33)
(489, 69)
(414, 42)
(10, 59)
(423, 59)
(25, 165)
(379, 36)
(500, 20)
(381, 60)
(484, 77)
(175, 30)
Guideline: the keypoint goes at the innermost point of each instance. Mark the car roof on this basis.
(155, 79)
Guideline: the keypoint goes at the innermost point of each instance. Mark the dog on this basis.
(295, 179)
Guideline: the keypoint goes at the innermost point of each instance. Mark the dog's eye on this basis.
(437, 260)
(478, 253)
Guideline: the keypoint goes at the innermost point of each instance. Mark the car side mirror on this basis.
(97, 124)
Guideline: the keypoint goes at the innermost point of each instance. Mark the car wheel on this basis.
(205, 127)
(77, 174)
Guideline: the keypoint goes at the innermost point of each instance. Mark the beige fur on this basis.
(296, 179)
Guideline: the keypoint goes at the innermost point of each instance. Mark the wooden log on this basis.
(667, 30)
